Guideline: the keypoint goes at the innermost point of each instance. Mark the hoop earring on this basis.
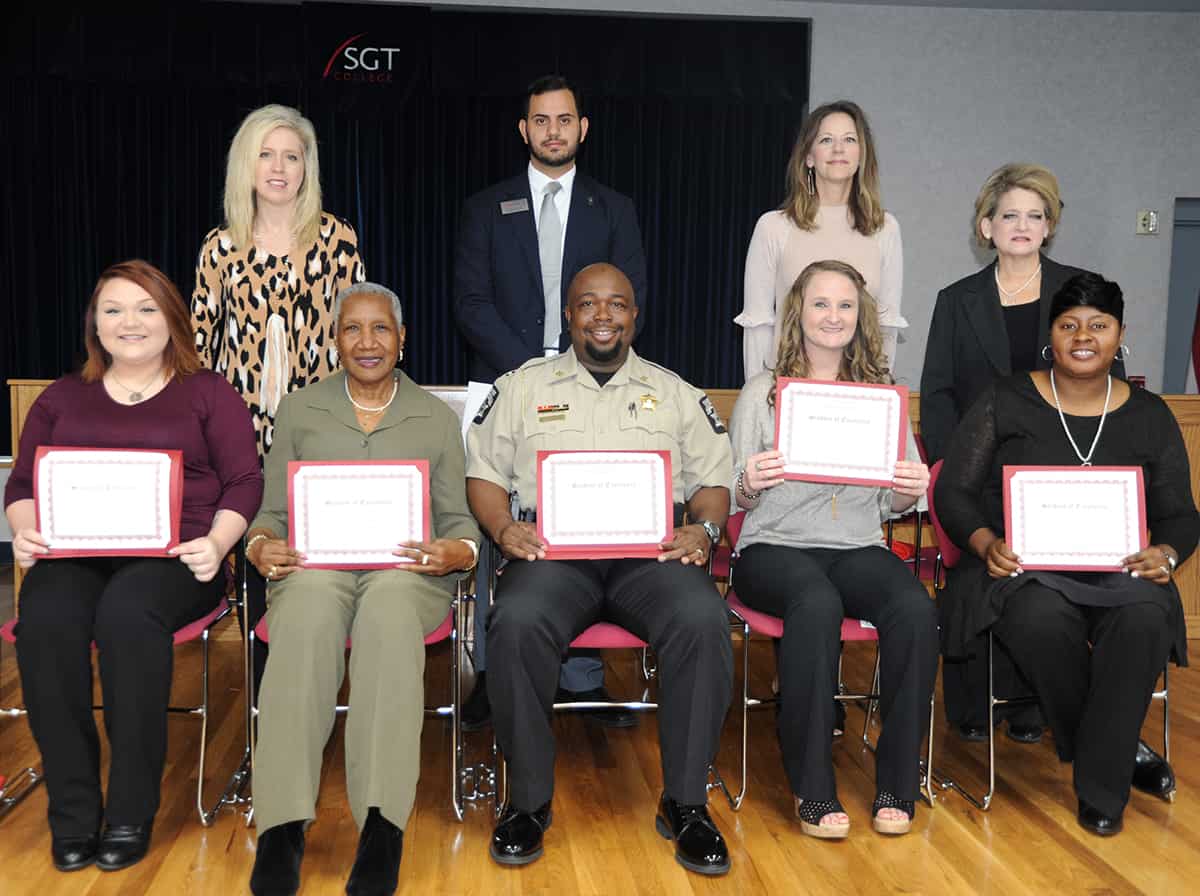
(1123, 353)
(1045, 356)
(811, 180)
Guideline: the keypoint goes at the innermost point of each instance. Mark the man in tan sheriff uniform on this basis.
(601, 395)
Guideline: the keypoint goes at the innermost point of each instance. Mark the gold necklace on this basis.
(135, 395)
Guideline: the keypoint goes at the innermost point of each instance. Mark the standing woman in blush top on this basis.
(832, 211)
(267, 278)
(142, 387)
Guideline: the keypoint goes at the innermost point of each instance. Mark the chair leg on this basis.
(735, 801)
(872, 698)
(982, 803)
(456, 802)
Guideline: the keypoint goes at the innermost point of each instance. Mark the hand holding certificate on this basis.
(840, 432)
(357, 514)
(603, 504)
(108, 502)
(1074, 518)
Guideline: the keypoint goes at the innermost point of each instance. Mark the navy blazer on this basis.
(498, 298)
(968, 349)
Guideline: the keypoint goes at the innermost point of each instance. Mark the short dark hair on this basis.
(549, 84)
(1090, 290)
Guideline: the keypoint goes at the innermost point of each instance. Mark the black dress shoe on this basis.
(477, 711)
(971, 733)
(277, 860)
(517, 839)
(699, 846)
(1092, 819)
(73, 853)
(122, 845)
(1024, 734)
(609, 718)
(376, 870)
(1152, 774)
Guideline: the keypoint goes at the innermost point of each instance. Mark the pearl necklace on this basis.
(1086, 461)
(1004, 292)
(363, 407)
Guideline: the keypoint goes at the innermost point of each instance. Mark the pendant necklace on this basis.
(135, 395)
(1085, 461)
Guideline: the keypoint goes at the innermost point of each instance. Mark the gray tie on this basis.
(550, 257)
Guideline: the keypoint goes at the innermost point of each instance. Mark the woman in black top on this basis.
(985, 326)
(1092, 644)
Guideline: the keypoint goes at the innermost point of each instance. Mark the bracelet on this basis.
(741, 487)
(474, 553)
(261, 536)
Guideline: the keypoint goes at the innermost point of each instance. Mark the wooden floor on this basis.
(603, 839)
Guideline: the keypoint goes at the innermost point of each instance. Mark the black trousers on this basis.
(812, 590)
(131, 608)
(541, 606)
(1094, 670)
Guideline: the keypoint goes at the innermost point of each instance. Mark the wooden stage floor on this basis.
(603, 839)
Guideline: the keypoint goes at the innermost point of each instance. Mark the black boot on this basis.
(376, 870)
(277, 860)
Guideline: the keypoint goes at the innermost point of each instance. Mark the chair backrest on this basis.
(733, 526)
(950, 552)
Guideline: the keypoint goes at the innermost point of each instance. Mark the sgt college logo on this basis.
(356, 60)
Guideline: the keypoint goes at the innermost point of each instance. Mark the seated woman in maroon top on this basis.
(142, 387)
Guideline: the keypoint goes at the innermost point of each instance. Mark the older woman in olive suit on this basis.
(369, 411)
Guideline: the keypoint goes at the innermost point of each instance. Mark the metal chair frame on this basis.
(15, 788)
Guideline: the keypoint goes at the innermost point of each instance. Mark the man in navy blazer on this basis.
(498, 280)
(503, 297)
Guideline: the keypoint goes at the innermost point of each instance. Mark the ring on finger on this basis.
(271, 572)
(1166, 571)
(424, 559)
(758, 465)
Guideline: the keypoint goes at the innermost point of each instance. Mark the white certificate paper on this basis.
(1074, 518)
(840, 432)
(594, 504)
(100, 501)
(355, 514)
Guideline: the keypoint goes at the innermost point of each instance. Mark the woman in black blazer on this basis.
(989, 325)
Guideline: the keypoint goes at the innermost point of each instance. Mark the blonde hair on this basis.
(1018, 176)
(866, 208)
(241, 202)
(863, 360)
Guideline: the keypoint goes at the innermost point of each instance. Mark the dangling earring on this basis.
(1045, 356)
(400, 355)
(1124, 353)
(811, 180)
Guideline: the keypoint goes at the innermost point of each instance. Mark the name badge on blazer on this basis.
(512, 206)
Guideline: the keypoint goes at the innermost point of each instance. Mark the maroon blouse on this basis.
(200, 415)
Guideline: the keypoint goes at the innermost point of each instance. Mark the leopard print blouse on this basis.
(264, 322)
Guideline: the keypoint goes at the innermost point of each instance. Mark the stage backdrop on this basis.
(116, 126)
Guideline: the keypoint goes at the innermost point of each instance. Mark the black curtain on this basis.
(117, 122)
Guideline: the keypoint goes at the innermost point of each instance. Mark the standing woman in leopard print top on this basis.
(267, 278)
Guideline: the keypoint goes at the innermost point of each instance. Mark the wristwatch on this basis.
(712, 530)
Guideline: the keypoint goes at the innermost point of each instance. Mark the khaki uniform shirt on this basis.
(555, 404)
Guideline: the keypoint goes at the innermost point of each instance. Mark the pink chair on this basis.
(199, 630)
(449, 629)
(753, 621)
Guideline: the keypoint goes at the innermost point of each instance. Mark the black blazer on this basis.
(968, 349)
(498, 299)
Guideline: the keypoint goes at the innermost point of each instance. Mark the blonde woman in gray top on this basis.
(813, 553)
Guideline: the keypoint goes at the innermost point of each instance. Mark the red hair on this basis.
(179, 357)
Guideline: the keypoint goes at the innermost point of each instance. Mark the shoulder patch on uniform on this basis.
(488, 404)
(714, 419)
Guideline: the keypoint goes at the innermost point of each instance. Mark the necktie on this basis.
(550, 257)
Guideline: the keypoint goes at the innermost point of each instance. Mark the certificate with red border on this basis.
(604, 504)
(356, 514)
(99, 502)
(1074, 518)
(840, 432)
